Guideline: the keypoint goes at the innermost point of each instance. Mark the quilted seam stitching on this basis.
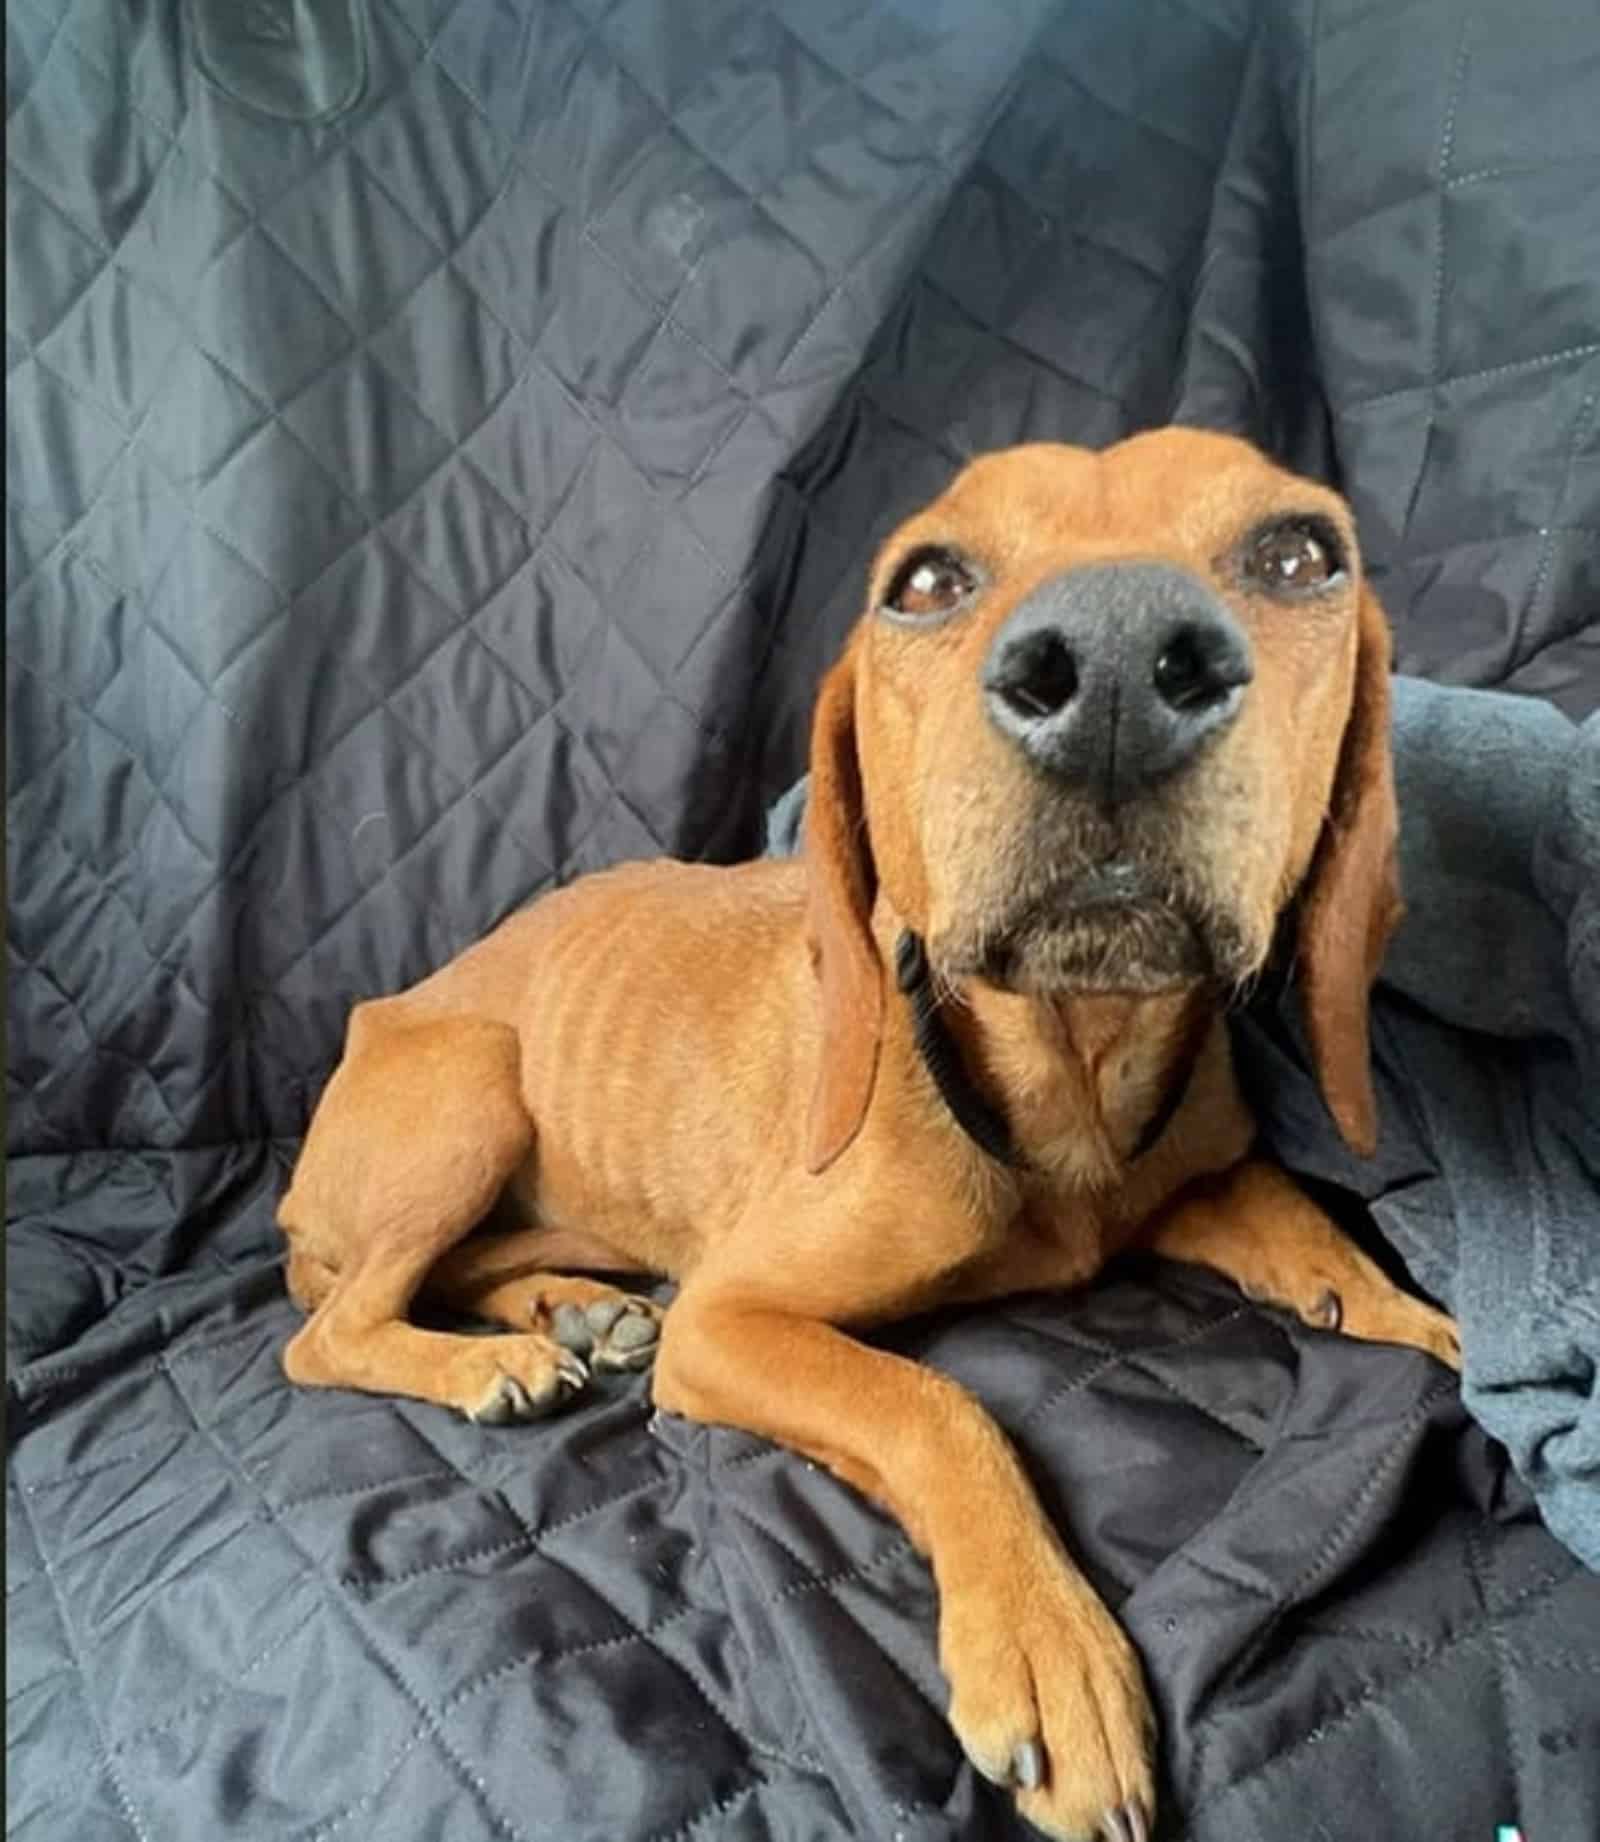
(837, 1576)
(899, 1549)
(282, 1505)
(253, 219)
(1193, 156)
(529, 1541)
(1441, 227)
(634, 1631)
(1012, 344)
(1375, 1691)
(1521, 169)
(466, 1691)
(55, 1480)
(1547, 532)
(371, 1583)
(721, 1807)
(1113, 1358)
(1338, 1533)
(66, 541)
(938, 165)
(1466, 544)
(301, 782)
(369, 1641)
(49, 51)
(536, 357)
(74, 1651)
(1192, 1400)
(1478, 1570)
(198, 1705)
(16, 787)
(643, 295)
(543, 1659)
(1211, 1570)
(1542, 362)
(62, 1073)
(30, 352)
(387, 1773)
(21, 962)
(1356, 1508)
(1362, 1634)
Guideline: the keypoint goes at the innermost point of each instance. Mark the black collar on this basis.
(984, 1124)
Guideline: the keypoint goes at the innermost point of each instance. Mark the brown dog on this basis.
(1108, 717)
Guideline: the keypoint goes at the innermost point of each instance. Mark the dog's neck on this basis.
(1092, 1083)
(1119, 1065)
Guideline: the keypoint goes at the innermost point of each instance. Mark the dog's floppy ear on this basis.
(841, 883)
(1351, 899)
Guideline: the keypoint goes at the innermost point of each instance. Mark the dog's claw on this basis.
(510, 1400)
(1125, 1824)
(1027, 1765)
(506, 1401)
(1328, 1311)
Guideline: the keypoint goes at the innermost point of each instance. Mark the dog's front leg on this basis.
(1268, 1236)
(1046, 1691)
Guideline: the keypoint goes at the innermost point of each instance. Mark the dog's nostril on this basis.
(1188, 672)
(1043, 677)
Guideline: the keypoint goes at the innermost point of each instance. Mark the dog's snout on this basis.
(1115, 675)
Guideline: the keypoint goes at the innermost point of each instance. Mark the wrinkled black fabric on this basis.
(443, 446)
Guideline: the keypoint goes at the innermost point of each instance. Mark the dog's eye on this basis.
(929, 583)
(1294, 557)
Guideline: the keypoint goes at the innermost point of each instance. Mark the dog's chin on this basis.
(1138, 953)
(1095, 936)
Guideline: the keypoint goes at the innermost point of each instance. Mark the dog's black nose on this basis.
(1114, 675)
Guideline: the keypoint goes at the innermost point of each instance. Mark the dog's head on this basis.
(1106, 716)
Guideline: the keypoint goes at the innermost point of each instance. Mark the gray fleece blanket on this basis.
(1486, 1050)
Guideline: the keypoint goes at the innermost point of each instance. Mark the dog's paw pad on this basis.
(603, 1313)
(615, 1332)
(634, 1330)
(573, 1328)
(630, 1339)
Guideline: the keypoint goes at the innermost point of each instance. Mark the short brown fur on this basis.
(709, 1074)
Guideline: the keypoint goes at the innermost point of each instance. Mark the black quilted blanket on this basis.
(443, 443)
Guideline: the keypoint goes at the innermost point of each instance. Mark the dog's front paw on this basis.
(1047, 1697)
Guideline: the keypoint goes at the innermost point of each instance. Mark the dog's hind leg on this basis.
(411, 1144)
